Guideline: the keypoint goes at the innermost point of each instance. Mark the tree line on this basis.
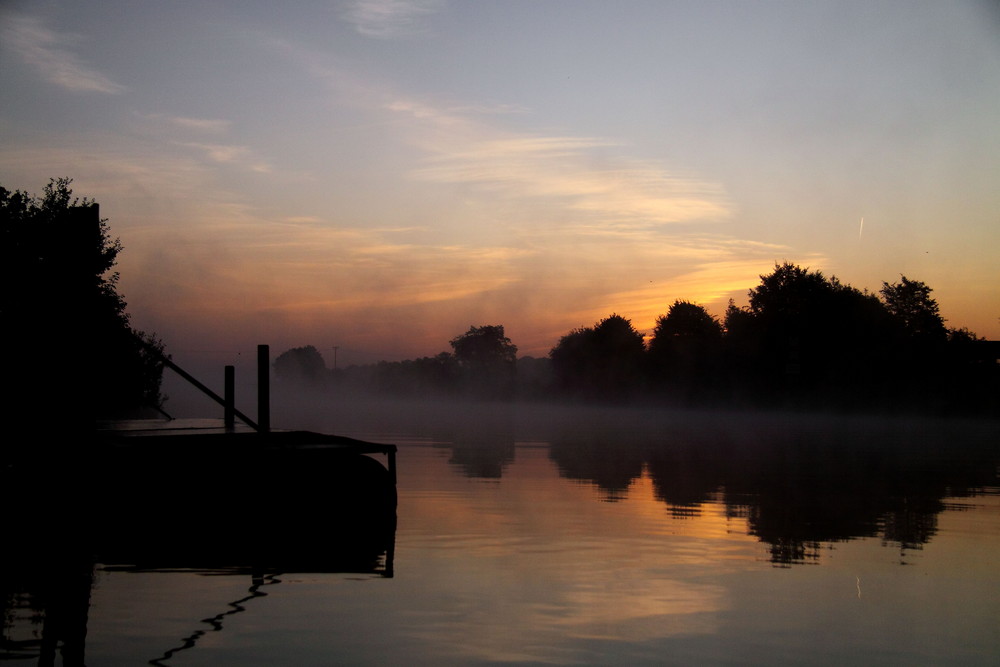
(482, 363)
(803, 341)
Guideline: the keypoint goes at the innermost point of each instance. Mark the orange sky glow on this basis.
(380, 181)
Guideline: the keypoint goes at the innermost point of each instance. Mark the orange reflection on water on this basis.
(553, 558)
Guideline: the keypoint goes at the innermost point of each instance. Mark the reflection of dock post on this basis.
(67, 610)
(229, 394)
(390, 554)
(264, 388)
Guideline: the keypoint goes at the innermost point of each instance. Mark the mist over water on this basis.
(802, 478)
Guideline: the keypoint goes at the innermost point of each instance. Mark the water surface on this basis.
(535, 536)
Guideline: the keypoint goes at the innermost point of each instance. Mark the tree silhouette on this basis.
(926, 375)
(808, 339)
(910, 302)
(487, 358)
(685, 320)
(963, 336)
(73, 352)
(301, 364)
(484, 347)
(789, 310)
(685, 350)
(571, 359)
(605, 361)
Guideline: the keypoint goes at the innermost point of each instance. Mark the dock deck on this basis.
(194, 494)
(208, 436)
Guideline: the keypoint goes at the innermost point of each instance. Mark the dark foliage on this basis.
(685, 352)
(483, 365)
(73, 352)
(301, 365)
(603, 362)
(487, 359)
(413, 377)
(809, 339)
(484, 347)
(910, 302)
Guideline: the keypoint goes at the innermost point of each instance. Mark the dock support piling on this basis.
(264, 388)
(229, 395)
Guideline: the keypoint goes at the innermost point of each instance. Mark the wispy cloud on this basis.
(45, 49)
(489, 109)
(203, 125)
(305, 267)
(230, 154)
(112, 171)
(592, 177)
(597, 182)
(387, 19)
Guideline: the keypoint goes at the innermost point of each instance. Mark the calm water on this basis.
(605, 537)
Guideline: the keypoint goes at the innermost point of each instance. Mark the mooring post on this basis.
(229, 395)
(264, 388)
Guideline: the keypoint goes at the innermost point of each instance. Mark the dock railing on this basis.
(228, 402)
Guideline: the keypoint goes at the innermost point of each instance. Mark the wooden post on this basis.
(229, 394)
(205, 390)
(264, 388)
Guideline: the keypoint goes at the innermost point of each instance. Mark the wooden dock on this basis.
(197, 492)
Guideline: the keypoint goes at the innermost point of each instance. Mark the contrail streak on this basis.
(862, 228)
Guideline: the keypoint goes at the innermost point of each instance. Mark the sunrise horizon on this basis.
(378, 177)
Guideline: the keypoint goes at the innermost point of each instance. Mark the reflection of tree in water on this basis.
(611, 468)
(686, 472)
(817, 486)
(481, 442)
(802, 493)
(911, 524)
(482, 457)
(799, 484)
(51, 595)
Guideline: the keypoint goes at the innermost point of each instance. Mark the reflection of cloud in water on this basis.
(636, 609)
(631, 610)
(515, 563)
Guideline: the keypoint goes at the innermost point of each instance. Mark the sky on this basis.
(380, 175)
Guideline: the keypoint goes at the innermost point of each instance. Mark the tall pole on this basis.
(264, 388)
(230, 395)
